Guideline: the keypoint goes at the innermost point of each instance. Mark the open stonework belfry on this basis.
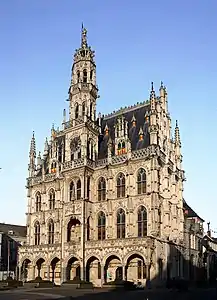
(105, 196)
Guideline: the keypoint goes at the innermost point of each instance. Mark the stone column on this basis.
(123, 272)
(63, 274)
(48, 272)
(102, 275)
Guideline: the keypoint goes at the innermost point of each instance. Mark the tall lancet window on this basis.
(141, 181)
(37, 233)
(85, 76)
(121, 224)
(121, 186)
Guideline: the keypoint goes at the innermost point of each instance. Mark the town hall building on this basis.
(105, 198)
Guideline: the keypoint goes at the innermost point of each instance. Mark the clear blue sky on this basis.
(136, 42)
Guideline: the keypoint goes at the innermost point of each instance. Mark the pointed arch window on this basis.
(88, 228)
(38, 202)
(60, 153)
(72, 191)
(91, 75)
(83, 109)
(52, 199)
(51, 232)
(37, 233)
(78, 76)
(142, 221)
(88, 187)
(141, 181)
(91, 110)
(76, 110)
(121, 224)
(101, 225)
(101, 189)
(121, 186)
(85, 76)
(79, 189)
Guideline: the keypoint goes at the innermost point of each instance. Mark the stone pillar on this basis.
(48, 272)
(123, 272)
(63, 274)
(102, 275)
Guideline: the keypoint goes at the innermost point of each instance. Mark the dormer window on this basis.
(121, 148)
(53, 167)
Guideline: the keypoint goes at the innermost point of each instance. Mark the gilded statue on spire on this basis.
(83, 37)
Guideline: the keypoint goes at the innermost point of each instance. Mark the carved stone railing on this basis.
(50, 176)
(73, 164)
(90, 163)
(101, 162)
(119, 159)
(109, 243)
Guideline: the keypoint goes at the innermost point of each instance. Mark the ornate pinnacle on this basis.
(177, 135)
(32, 151)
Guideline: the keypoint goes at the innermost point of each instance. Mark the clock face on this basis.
(75, 144)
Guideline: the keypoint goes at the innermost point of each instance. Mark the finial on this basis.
(106, 129)
(133, 120)
(152, 86)
(140, 134)
(161, 85)
(83, 36)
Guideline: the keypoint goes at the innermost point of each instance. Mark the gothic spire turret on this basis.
(32, 156)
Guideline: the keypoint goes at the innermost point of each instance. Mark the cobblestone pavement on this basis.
(61, 293)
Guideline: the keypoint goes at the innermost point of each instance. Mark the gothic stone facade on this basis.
(105, 198)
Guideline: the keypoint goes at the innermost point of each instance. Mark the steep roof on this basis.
(190, 212)
(18, 230)
(137, 113)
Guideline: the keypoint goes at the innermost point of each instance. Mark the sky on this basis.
(136, 42)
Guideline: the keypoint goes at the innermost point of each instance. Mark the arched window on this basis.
(88, 187)
(38, 202)
(37, 233)
(91, 75)
(88, 228)
(52, 199)
(76, 111)
(101, 226)
(101, 189)
(121, 186)
(83, 109)
(78, 76)
(84, 75)
(72, 191)
(51, 232)
(120, 224)
(91, 110)
(79, 189)
(60, 153)
(142, 222)
(141, 181)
